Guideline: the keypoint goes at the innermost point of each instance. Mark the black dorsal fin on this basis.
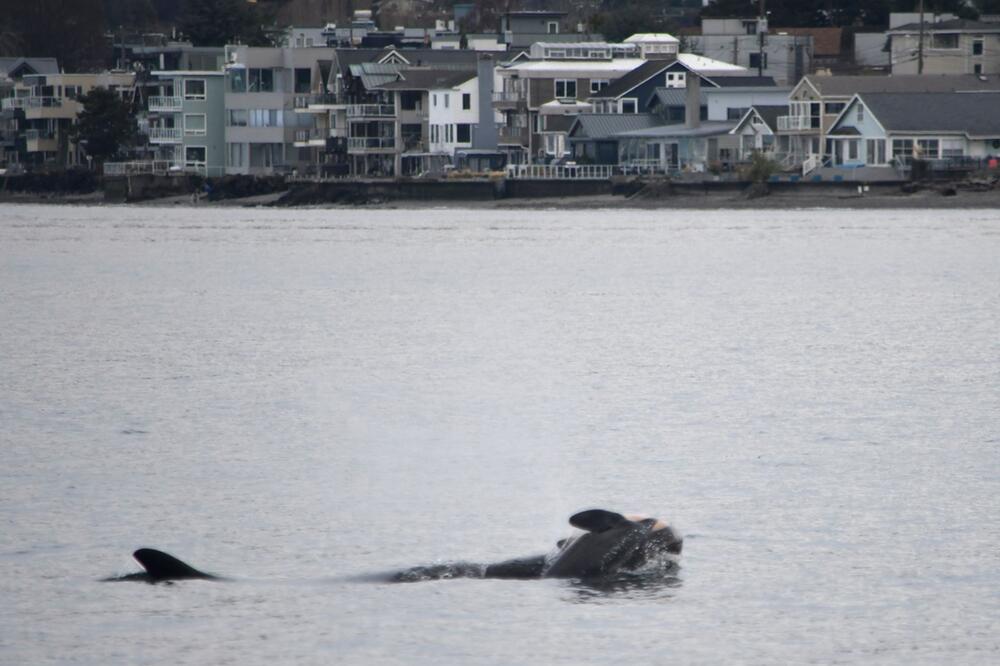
(597, 520)
(161, 566)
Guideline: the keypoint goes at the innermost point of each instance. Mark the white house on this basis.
(453, 112)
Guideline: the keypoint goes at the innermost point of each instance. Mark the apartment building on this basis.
(955, 46)
(185, 121)
(263, 132)
(784, 57)
(47, 106)
(12, 71)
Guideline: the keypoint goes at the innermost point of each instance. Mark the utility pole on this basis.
(920, 43)
(761, 29)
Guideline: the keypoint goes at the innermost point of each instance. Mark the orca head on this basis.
(611, 542)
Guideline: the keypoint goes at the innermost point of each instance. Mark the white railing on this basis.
(811, 163)
(154, 167)
(317, 100)
(371, 110)
(560, 171)
(314, 134)
(164, 134)
(43, 102)
(370, 142)
(159, 103)
(9, 103)
(794, 123)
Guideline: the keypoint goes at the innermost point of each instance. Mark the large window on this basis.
(195, 157)
(194, 124)
(944, 41)
(236, 118)
(463, 133)
(237, 154)
(902, 150)
(629, 105)
(597, 85)
(875, 151)
(236, 80)
(928, 148)
(194, 89)
(758, 60)
(466, 101)
(260, 80)
(303, 80)
(265, 118)
(565, 88)
(977, 46)
(952, 148)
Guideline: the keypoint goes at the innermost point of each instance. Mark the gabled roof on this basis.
(974, 114)
(16, 67)
(606, 125)
(634, 79)
(767, 113)
(846, 86)
(954, 25)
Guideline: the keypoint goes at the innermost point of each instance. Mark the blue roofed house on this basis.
(885, 132)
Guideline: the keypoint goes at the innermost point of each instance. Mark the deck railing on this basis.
(560, 171)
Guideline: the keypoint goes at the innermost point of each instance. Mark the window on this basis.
(629, 105)
(977, 68)
(463, 133)
(237, 80)
(875, 149)
(852, 149)
(434, 133)
(447, 99)
(72, 92)
(466, 101)
(303, 80)
(944, 41)
(597, 85)
(194, 124)
(860, 113)
(194, 89)
(449, 132)
(265, 118)
(952, 148)
(552, 27)
(565, 88)
(977, 46)
(750, 27)
(195, 156)
(756, 62)
(928, 148)
(237, 154)
(434, 99)
(814, 117)
(902, 150)
(676, 79)
(237, 118)
(260, 80)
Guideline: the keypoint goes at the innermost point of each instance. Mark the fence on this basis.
(560, 171)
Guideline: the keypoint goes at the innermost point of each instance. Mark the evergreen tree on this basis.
(105, 127)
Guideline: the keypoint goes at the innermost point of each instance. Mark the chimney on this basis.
(692, 101)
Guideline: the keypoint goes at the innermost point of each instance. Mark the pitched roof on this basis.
(675, 97)
(954, 25)
(636, 77)
(971, 113)
(847, 86)
(681, 130)
(769, 114)
(428, 79)
(36, 65)
(606, 125)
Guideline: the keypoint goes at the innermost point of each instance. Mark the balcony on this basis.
(165, 135)
(317, 103)
(11, 103)
(315, 136)
(509, 99)
(371, 111)
(797, 123)
(518, 135)
(370, 144)
(166, 104)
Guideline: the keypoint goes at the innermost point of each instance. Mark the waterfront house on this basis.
(890, 130)
(593, 137)
(185, 120)
(12, 72)
(758, 132)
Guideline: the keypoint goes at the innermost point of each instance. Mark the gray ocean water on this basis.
(305, 399)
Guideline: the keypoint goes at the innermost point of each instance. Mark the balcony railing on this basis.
(371, 111)
(313, 134)
(561, 172)
(510, 96)
(796, 123)
(156, 167)
(164, 134)
(169, 104)
(317, 100)
(9, 103)
(371, 143)
(514, 134)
